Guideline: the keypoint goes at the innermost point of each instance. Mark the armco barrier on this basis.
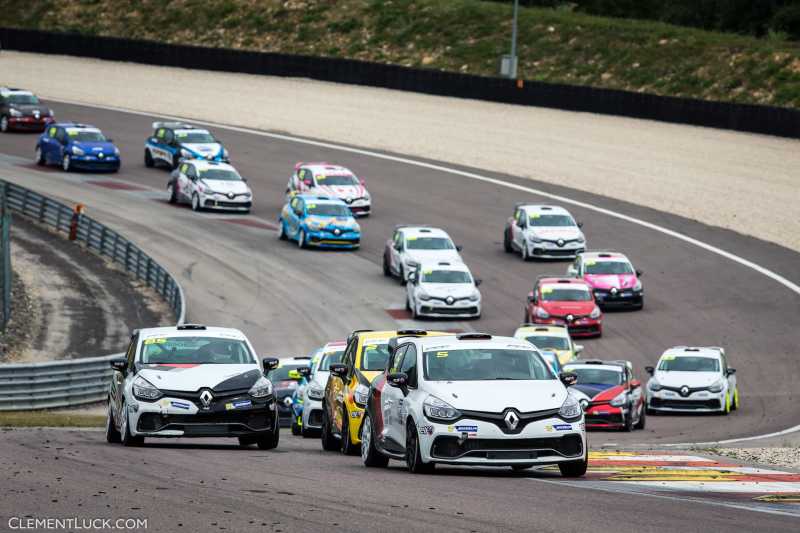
(76, 381)
(742, 117)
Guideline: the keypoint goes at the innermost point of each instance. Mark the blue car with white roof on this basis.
(77, 146)
(320, 222)
(173, 141)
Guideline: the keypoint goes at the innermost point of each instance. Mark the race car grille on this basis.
(498, 419)
(207, 423)
(195, 396)
(541, 251)
(611, 418)
(691, 390)
(449, 310)
(685, 404)
(222, 203)
(315, 418)
(446, 447)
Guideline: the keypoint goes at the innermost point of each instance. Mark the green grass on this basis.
(50, 419)
(555, 45)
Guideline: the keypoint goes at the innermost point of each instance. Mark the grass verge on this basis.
(50, 419)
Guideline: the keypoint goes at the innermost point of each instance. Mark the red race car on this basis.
(611, 398)
(566, 301)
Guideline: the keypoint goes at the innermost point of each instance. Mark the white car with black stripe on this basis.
(209, 185)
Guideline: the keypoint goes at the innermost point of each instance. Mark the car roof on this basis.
(544, 209)
(191, 331)
(593, 363)
(552, 331)
(326, 169)
(5, 91)
(695, 351)
(203, 164)
(423, 231)
(456, 266)
(295, 360)
(76, 125)
(605, 256)
(552, 280)
(473, 340)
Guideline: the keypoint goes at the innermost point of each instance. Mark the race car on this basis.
(173, 141)
(692, 380)
(209, 185)
(410, 246)
(76, 146)
(552, 337)
(285, 378)
(346, 392)
(610, 396)
(565, 301)
(612, 277)
(472, 399)
(543, 232)
(310, 399)
(443, 289)
(333, 181)
(21, 110)
(319, 222)
(191, 381)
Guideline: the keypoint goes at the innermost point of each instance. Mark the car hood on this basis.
(95, 147)
(496, 396)
(190, 377)
(423, 256)
(205, 149)
(226, 186)
(610, 281)
(333, 222)
(554, 233)
(345, 192)
(690, 379)
(566, 308)
(456, 290)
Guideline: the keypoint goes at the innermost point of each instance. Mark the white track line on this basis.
(471, 175)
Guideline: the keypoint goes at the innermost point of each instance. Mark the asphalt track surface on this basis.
(692, 297)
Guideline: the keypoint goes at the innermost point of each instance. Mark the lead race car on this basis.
(543, 232)
(21, 110)
(333, 181)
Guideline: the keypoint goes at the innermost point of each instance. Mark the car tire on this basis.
(270, 442)
(297, 429)
(173, 194)
(176, 161)
(507, 242)
(196, 203)
(726, 409)
(329, 443)
(346, 444)
(125, 431)
(301, 239)
(414, 461)
(4, 124)
(246, 442)
(627, 427)
(642, 419)
(281, 230)
(386, 270)
(39, 156)
(66, 163)
(148, 159)
(735, 401)
(370, 455)
(112, 433)
(574, 468)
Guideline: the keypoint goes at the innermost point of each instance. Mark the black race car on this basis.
(22, 111)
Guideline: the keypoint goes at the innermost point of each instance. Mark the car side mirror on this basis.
(578, 349)
(412, 277)
(639, 273)
(478, 282)
(398, 246)
(532, 298)
(397, 379)
(308, 183)
(635, 384)
(304, 371)
(731, 371)
(649, 369)
(580, 224)
(120, 365)
(339, 370)
(459, 248)
(568, 378)
(270, 363)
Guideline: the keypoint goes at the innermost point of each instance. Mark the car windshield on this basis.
(552, 360)
(374, 355)
(195, 137)
(282, 373)
(219, 174)
(445, 276)
(328, 210)
(429, 243)
(595, 376)
(547, 221)
(85, 135)
(336, 179)
(330, 358)
(549, 343)
(23, 99)
(485, 364)
(670, 363)
(608, 267)
(565, 293)
(195, 351)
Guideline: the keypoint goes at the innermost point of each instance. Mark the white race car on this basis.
(410, 246)
(543, 231)
(191, 381)
(472, 399)
(333, 181)
(209, 185)
(314, 391)
(443, 289)
(692, 379)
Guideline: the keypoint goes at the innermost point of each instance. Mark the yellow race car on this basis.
(347, 389)
(551, 338)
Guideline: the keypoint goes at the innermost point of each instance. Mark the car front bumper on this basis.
(440, 309)
(605, 416)
(582, 327)
(29, 123)
(696, 402)
(328, 239)
(91, 162)
(623, 298)
(312, 414)
(551, 250)
(223, 203)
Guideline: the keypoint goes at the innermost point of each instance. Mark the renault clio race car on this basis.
(609, 394)
(565, 301)
(21, 110)
(173, 141)
(76, 146)
(443, 289)
(692, 380)
(551, 337)
(472, 399)
(333, 181)
(543, 231)
(310, 399)
(209, 185)
(319, 222)
(410, 246)
(613, 279)
(191, 381)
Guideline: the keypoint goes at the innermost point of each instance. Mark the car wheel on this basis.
(735, 403)
(125, 431)
(347, 446)
(628, 425)
(245, 442)
(726, 409)
(642, 419)
(281, 230)
(413, 454)
(112, 433)
(524, 252)
(301, 239)
(196, 203)
(4, 124)
(402, 276)
(297, 429)
(66, 163)
(176, 161)
(329, 443)
(148, 159)
(370, 455)
(39, 156)
(386, 270)
(173, 195)
(270, 442)
(507, 242)
(574, 468)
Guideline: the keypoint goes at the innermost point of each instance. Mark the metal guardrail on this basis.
(77, 381)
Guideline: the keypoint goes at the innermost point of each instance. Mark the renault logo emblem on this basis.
(684, 391)
(337, 231)
(449, 300)
(205, 398)
(560, 242)
(231, 195)
(570, 318)
(512, 420)
(614, 291)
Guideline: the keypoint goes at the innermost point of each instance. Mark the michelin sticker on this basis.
(239, 404)
(180, 405)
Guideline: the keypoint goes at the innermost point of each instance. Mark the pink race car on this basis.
(613, 279)
(334, 181)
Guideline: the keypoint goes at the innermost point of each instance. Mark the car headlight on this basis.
(49, 112)
(424, 296)
(316, 393)
(145, 391)
(116, 151)
(356, 227)
(14, 112)
(541, 313)
(595, 313)
(412, 265)
(367, 196)
(618, 400)
(654, 385)
(717, 386)
(638, 286)
(360, 394)
(77, 151)
(185, 153)
(225, 153)
(581, 239)
(261, 388)
(439, 409)
(475, 296)
(570, 409)
(533, 238)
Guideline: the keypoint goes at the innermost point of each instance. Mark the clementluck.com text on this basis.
(20, 523)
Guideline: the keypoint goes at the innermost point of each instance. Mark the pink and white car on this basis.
(334, 181)
(613, 279)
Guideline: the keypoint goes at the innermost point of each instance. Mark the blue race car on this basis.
(319, 221)
(173, 141)
(77, 146)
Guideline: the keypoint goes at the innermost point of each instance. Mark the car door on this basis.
(395, 251)
(295, 216)
(336, 390)
(408, 367)
(391, 399)
(518, 228)
(119, 380)
(48, 143)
